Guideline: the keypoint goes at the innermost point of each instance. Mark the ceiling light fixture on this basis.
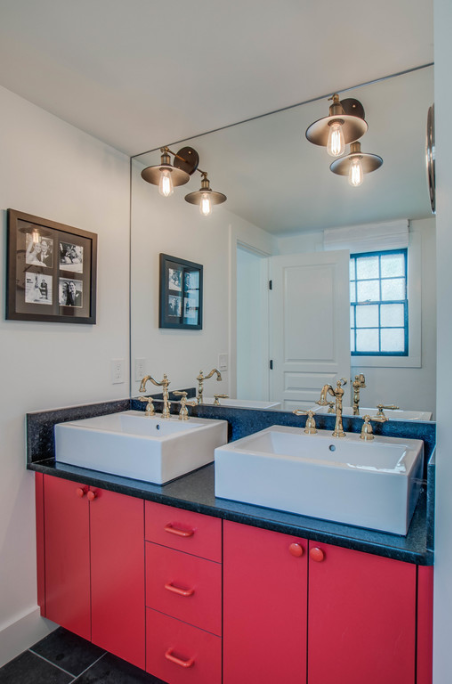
(344, 125)
(356, 164)
(167, 176)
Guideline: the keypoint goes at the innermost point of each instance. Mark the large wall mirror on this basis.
(281, 197)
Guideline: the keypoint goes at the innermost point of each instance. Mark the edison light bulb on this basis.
(36, 236)
(205, 206)
(166, 183)
(336, 142)
(355, 174)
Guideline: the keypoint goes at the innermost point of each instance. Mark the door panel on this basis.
(309, 325)
(67, 581)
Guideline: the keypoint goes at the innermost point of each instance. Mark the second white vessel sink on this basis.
(374, 484)
(136, 446)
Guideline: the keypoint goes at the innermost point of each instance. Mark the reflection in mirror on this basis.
(282, 201)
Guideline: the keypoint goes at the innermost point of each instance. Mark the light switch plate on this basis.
(223, 361)
(140, 369)
(117, 370)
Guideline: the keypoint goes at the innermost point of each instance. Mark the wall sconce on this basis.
(167, 176)
(344, 125)
(356, 164)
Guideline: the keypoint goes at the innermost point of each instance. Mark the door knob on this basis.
(91, 495)
(296, 549)
(317, 554)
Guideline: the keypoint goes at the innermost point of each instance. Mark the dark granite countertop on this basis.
(195, 491)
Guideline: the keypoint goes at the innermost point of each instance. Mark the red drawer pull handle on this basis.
(177, 531)
(179, 590)
(91, 495)
(317, 554)
(179, 662)
(80, 492)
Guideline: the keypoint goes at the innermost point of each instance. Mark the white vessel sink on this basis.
(391, 414)
(244, 404)
(373, 484)
(133, 445)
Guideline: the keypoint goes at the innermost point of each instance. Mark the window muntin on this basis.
(379, 303)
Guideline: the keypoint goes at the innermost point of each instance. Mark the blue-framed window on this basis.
(379, 303)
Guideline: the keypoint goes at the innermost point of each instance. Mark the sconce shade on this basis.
(369, 162)
(215, 197)
(353, 125)
(185, 163)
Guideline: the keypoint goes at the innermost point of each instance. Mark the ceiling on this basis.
(138, 74)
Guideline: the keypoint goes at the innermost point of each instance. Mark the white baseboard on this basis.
(22, 633)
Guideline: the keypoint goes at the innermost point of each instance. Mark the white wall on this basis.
(409, 388)
(442, 655)
(172, 226)
(52, 170)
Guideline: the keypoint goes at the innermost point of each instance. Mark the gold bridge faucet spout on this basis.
(164, 384)
(338, 394)
(201, 378)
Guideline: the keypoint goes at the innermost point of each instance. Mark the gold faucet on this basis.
(366, 430)
(201, 378)
(164, 384)
(358, 383)
(310, 428)
(380, 407)
(338, 394)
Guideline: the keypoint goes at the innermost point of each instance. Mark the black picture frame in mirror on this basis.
(181, 293)
(51, 272)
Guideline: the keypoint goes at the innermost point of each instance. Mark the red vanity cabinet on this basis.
(94, 564)
(264, 606)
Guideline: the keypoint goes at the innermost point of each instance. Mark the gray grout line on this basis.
(90, 666)
(51, 663)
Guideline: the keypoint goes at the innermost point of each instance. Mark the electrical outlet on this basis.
(140, 369)
(223, 361)
(117, 370)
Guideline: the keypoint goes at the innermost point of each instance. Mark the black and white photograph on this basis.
(70, 292)
(174, 279)
(180, 293)
(71, 257)
(39, 250)
(38, 288)
(174, 306)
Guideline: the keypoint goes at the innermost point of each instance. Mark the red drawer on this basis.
(179, 653)
(184, 586)
(184, 530)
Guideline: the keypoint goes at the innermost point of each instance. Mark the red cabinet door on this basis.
(362, 617)
(117, 574)
(66, 536)
(264, 606)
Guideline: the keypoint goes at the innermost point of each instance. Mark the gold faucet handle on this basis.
(310, 427)
(342, 381)
(367, 430)
(183, 413)
(150, 411)
(218, 398)
(380, 408)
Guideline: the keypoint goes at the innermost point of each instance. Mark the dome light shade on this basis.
(349, 120)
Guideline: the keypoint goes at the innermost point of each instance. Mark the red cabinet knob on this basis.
(296, 549)
(317, 554)
(80, 492)
(91, 495)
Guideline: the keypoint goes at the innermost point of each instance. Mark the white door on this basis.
(309, 326)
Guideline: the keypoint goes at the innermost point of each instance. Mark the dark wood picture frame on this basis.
(181, 293)
(51, 272)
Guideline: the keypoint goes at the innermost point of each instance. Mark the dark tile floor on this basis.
(62, 657)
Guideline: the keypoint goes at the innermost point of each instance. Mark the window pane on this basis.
(367, 267)
(352, 340)
(368, 290)
(393, 340)
(392, 315)
(352, 292)
(366, 316)
(367, 340)
(393, 289)
(352, 317)
(392, 265)
(352, 269)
